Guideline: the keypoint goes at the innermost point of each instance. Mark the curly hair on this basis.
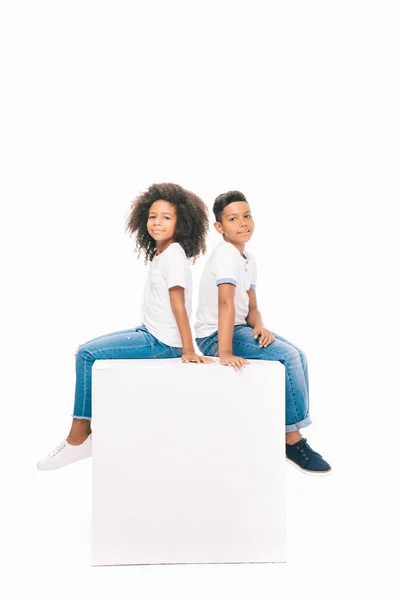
(192, 219)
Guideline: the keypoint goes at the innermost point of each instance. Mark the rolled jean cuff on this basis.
(79, 417)
(296, 426)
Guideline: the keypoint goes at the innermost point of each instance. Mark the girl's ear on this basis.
(218, 227)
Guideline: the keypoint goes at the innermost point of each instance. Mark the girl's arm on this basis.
(254, 319)
(177, 299)
(226, 322)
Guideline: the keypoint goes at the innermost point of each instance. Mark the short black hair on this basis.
(192, 219)
(224, 199)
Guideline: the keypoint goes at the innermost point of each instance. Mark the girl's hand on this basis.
(237, 362)
(193, 357)
(266, 337)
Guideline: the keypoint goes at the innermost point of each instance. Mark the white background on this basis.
(297, 105)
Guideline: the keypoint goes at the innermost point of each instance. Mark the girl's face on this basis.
(161, 222)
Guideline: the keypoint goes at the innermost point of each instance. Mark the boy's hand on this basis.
(266, 337)
(233, 361)
(193, 357)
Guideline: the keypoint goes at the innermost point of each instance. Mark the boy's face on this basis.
(237, 223)
(161, 221)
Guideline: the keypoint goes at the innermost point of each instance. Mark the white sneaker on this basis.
(65, 454)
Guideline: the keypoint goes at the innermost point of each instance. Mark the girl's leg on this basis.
(80, 430)
(129, 344)
(105, 335)
(81, 427)
(132, 343)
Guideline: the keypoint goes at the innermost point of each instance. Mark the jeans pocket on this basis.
(141, 328)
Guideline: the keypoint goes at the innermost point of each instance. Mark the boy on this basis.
(229, 324)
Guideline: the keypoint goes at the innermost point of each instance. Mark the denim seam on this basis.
(163, 352)
(84, 384)
(293, 394)
(304, 364)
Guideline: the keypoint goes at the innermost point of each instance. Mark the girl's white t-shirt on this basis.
(225, 265)
(169, 269)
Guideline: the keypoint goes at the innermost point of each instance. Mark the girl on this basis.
(170, 224)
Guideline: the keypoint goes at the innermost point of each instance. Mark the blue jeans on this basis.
(294, 359)
(129, 343)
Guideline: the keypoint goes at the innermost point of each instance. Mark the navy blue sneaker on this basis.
(306, 459)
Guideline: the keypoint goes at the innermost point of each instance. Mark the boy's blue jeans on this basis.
(294, 359)
(129, 343)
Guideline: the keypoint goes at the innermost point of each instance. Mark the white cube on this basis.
(188, 462)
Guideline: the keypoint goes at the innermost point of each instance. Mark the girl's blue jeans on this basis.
(129, 343)
(294, 359)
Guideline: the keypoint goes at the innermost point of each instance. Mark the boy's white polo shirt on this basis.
(167, 270)
(225, 265)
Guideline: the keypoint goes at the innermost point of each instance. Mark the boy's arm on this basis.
(226, 322)
(254, 319)
(177, 300)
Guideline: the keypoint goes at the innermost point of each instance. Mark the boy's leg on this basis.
(298, 452)
(244, 345)
(303, 357)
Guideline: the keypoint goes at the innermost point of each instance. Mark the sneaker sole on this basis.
(318, 473)
(52, 467)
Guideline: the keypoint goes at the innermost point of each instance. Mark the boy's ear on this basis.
(218, 227)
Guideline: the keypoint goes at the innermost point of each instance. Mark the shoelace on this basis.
(305, 449)
(57, 450)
